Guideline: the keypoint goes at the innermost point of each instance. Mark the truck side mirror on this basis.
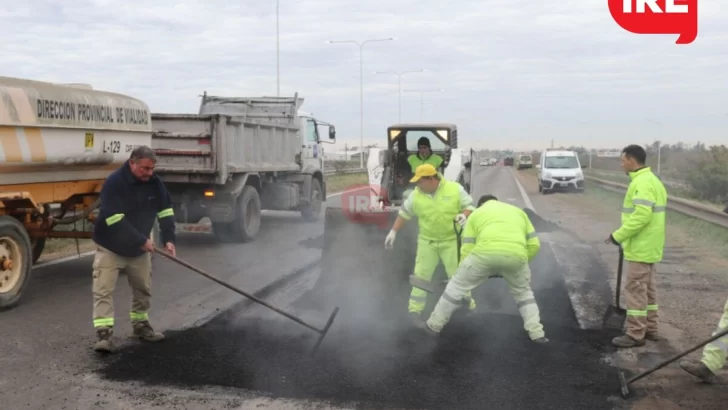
(583, 166)
(332, 133)
(467, 164)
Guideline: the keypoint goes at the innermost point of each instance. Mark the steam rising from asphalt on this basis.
(372, 331)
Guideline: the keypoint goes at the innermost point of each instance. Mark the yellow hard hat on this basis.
(424, 170)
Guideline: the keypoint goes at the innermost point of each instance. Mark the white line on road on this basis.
(63, 260)
(526, 199)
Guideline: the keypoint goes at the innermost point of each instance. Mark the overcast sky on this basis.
(515, 73)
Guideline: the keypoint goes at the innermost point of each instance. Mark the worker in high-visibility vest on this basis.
(714, 354)
(436, 202)
(498, 240)
(424, 155)
(642, 238)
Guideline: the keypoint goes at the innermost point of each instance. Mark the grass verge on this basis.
(706, 234)
(337, 183)
(672, 191)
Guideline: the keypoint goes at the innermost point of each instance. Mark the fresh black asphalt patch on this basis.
(485, 361)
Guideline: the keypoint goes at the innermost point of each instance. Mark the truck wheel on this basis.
(37, 244)
(15, 261)
(312, 211)
(247, 223)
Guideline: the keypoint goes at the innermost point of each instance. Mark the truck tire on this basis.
(247, 219)
(16, 254)
(312, 211)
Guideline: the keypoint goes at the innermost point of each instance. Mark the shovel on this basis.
(321, 332)
(435, 287)
(615, 316)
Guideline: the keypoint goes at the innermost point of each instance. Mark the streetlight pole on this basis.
(422, 99)
(399, 80)
(278, 52)
(361, 88)
(659, 145)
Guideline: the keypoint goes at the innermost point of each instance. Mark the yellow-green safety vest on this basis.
(642, 234)
(415, 161)
(498, 228)
(435, 214)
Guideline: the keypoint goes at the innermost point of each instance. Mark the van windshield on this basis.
(561, 162)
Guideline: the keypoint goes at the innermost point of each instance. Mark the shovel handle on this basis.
(620, 265)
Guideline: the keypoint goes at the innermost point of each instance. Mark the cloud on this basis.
(514, 73)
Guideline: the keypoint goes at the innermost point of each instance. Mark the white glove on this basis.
(389, 241)
(460, 219)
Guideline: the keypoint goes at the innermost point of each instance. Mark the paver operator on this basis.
(498, 240)
(642, 238)
(131, 198)
(714, 354)
(436, 202)
(424, 155)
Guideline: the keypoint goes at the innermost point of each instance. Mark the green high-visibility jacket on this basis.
(642, 234)
(415, 161)
(498, 228)
(436, 213)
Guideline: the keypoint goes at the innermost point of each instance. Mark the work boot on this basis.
(652, 336)
(627, 341)
(103, 344)
(429, 331)
(699, 370)
(143, 330)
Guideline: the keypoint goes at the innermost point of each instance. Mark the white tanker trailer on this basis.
(58, 143)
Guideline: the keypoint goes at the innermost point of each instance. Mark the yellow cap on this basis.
(424, 170)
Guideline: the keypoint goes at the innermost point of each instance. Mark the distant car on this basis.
(508, 161)
(484, 163)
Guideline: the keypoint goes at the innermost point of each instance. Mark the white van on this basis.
(523, 161)
(559, 170)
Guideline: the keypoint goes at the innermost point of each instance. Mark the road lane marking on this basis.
(524, 195)
(62, 260)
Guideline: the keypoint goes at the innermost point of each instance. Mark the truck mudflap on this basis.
(367, 281)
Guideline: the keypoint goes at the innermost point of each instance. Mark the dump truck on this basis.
(236, 157)
(356, 272)
(58, 143)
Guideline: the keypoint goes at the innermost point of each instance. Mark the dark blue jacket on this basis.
(128, 209)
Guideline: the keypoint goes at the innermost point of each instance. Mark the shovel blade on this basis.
(427, 286)
(614, 318)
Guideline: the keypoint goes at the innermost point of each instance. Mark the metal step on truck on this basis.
(237, 157)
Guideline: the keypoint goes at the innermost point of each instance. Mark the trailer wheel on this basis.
(15, 261)
(312, 211)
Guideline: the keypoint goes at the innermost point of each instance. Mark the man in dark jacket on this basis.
(131, 198)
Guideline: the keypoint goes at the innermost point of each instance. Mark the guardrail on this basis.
(344, 171)
(694, 209)
(668, 182)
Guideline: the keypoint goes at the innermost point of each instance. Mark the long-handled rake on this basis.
(322, 332)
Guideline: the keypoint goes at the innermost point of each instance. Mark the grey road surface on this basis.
(47, 362)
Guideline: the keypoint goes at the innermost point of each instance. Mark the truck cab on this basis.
(559, 170)
(312, 154)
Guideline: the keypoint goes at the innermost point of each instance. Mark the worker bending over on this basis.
(498, 239)
(436, 202)
(714, 354)
(424, 155)
(642, 238)
(131, 199)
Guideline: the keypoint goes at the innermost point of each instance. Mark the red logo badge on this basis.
(658, 17)
(360, 204)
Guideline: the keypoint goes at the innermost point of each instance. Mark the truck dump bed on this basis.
(228, 136)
